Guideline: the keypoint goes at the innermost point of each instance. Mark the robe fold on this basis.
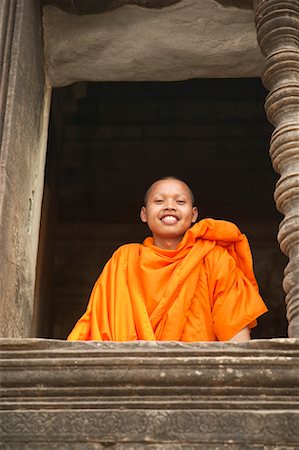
(204, 290)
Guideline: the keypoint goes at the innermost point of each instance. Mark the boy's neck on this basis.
(167, 244)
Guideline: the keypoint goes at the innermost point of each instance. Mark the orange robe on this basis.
(204, 290)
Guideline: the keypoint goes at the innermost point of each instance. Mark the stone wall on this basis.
(24, 102)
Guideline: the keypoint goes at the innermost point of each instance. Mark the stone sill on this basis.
(56, 374)
(150, 394)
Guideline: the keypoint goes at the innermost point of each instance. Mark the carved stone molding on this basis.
(151, 426)
(150, 374)
(277, 23)
(57, 394)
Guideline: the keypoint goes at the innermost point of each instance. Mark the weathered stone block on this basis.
(188, 39)
(24, 106)
(150, 395)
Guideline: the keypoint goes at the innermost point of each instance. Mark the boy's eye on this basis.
(181, 202)
(158, 201)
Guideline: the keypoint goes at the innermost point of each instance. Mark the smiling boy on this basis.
(168, 212)
(185, 283)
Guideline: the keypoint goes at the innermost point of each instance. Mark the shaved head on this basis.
(168, 178)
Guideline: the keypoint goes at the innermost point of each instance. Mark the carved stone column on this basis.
(277, 23)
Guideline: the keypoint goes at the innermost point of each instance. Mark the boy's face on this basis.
(169, 211)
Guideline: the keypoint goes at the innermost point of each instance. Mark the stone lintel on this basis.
(147, 393)
(187, 39)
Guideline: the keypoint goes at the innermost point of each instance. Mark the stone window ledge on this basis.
(154, 395)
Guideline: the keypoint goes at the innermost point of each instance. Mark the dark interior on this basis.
(109, 141)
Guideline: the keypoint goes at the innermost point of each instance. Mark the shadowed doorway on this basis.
(109, 141)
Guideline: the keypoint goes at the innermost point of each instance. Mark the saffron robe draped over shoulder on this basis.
(204, 290)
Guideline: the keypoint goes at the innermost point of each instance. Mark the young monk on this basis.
(188, 282)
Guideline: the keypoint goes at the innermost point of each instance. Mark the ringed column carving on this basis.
(277, 24)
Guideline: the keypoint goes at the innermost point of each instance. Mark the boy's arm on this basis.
(243, 335)
(236, 302)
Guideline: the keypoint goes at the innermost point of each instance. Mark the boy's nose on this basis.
(170, 204)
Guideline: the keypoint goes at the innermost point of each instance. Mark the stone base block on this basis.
(149, 395)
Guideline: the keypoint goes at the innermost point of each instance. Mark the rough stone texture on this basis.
(188, 39)
(150, 395)
(24, 103)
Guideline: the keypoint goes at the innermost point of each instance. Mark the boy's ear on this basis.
(194, 214)
(143, 214)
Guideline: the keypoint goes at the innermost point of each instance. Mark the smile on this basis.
(169, 220)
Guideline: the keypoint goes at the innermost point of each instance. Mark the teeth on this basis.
(169, 219)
